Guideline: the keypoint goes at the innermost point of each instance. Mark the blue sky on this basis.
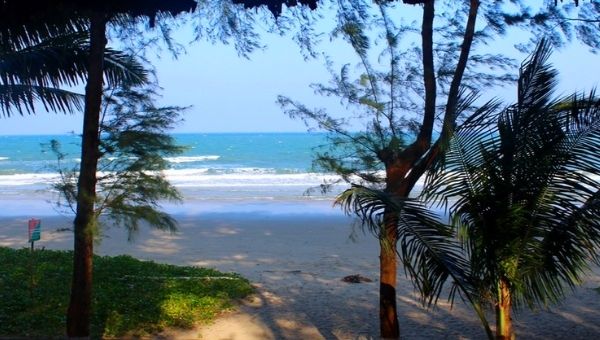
(232, 94)
(227, 93)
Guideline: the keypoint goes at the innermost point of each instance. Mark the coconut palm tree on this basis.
(521, 185)
(425, 246)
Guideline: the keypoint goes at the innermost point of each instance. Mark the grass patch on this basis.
(131, 297)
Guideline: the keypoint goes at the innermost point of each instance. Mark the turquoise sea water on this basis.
(217, 153)
(228, 167)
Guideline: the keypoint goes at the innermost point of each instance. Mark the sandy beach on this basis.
(296, 262)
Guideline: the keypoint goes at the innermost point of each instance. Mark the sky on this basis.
(228, 93)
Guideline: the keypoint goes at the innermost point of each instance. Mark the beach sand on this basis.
(297, 262)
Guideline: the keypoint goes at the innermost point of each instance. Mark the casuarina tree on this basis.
(27, 22)
(406, 99)
(133, 151)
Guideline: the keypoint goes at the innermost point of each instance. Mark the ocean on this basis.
(219, 168)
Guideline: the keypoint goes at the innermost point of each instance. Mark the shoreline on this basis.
(14, 206)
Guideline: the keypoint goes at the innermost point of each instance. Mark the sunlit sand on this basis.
(297, 261)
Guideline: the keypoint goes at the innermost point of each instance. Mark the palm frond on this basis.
(21, 98)
(122, 68)
(455, 174)
(430, 254)
(524, 186)
(426, 246)
(53, 63)
(63, 61)
(20, 32)
(537, 78)
(568, 210)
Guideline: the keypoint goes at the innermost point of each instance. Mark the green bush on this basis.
(131, 297)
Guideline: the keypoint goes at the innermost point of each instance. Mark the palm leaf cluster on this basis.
(425, 246)
(521, 185)
(36, 72)
(430, 254)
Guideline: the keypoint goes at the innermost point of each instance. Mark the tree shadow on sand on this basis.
(300, 293)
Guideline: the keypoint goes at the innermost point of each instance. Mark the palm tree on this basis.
(522, 185)
(425, 246)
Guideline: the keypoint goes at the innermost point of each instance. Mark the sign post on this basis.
(35, 231)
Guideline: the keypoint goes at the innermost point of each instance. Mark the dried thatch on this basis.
(26, 22)
(275, 5)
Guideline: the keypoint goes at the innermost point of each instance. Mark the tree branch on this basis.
(391, 44)
(454, 92)
(582, 20)
(424, 137)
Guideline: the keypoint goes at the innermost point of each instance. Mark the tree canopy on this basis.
(413, 84)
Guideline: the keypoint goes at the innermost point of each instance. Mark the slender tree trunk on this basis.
(388, 315)
(79, 312)
(403, 171)
(429, 81)
(504, 329)
(396, 169)
(459, 71)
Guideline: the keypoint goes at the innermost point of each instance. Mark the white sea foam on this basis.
(190, 159)
(3, 158)
(115, 158)
(28, 179)
(206, 177)
(210, 183)
(244, 177)
(235, 177)
(199, 184)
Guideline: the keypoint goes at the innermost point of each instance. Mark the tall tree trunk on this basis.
(429, 81)
(79, 312)
(459, 71)
(504, 329)
(396, 169)
(388, 266)
(403, 170)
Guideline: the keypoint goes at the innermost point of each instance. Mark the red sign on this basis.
(35, 229)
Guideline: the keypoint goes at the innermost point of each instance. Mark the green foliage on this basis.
(240, 23)
(131, 297)
(557, 22)
(35, 74)
(425, 245)
(132, 155)
(387, 100)
(224, 21)
(411, 85)
(429, 253)
(383, 96)
(521, 185)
